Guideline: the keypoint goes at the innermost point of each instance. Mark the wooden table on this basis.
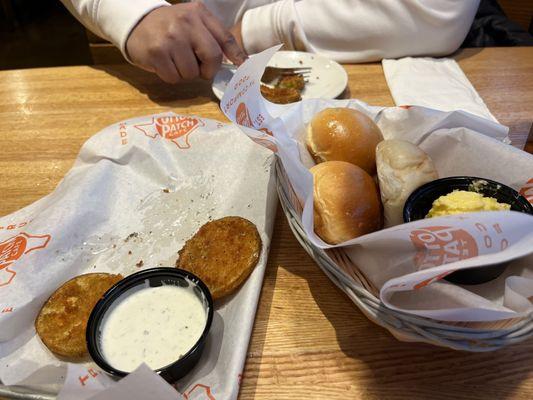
(309, 340)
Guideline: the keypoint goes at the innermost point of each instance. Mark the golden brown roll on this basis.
(344, 134)
(346, 202)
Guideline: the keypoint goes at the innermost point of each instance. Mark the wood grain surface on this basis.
(309, 341)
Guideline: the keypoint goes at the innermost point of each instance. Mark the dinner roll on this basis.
(344, 134)
(402, 167)
(346, 202)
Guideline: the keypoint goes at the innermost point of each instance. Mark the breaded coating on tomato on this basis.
(62, 321)
(222, 253)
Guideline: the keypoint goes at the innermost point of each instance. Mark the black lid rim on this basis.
(125, 284)
(430, 186)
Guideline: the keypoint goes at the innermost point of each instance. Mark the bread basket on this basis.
(474, 337)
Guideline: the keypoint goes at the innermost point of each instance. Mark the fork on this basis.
(272, 74)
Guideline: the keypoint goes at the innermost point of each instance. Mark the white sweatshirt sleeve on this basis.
(112, 20)
(360, 30)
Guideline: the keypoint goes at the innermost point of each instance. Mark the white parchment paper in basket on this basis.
(138, 190)
(406, 263)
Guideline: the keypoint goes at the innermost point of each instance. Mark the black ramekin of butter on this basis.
(153, 277)
(419, 203)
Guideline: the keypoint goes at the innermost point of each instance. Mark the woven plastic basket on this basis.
(475, 337)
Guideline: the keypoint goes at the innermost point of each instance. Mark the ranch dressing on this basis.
(155, 325)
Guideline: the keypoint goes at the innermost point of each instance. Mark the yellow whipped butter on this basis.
(461, 201)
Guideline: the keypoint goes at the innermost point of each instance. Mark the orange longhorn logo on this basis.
(13, 249)
(174, 128)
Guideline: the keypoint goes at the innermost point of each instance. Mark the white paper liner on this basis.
(405, 263)
(138, 190)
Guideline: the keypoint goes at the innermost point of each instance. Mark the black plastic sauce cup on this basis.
(153, 277)
(421, 200)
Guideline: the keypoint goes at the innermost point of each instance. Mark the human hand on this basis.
(236, 31)
(182, 42)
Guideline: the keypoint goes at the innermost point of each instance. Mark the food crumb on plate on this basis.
(131, 235)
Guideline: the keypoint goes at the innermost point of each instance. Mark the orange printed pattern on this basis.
(206, 390)
(91, 373)
(492, 236)
(527, 191)
(177, 129)
(265, 143)
(123, 133)
(13, 249)
(242, 116)
(241, 87)
(267, 131)
(14, 226)
(426, 282)
(438, 245)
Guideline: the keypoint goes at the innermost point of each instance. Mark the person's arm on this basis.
(360, 30)
(112, 20)
(178, 42)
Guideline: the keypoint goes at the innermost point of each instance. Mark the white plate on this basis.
(327, 80)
